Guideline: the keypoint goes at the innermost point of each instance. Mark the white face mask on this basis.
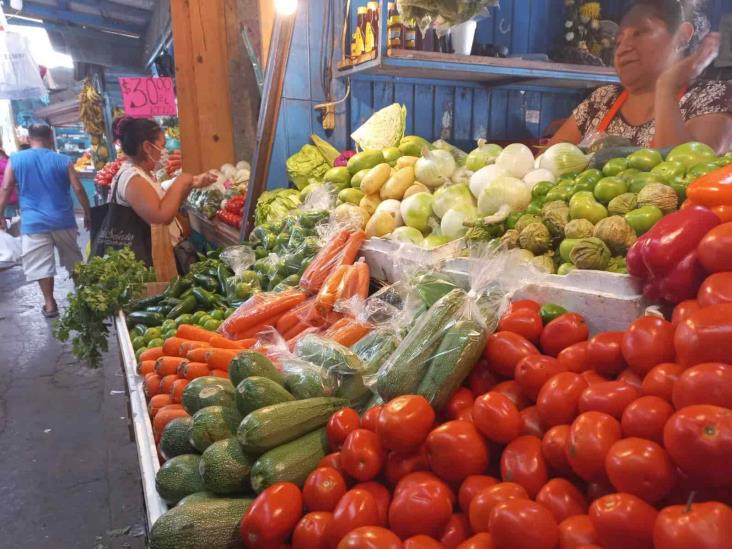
(162, 162)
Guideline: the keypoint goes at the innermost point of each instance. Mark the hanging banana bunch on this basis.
(92, 117)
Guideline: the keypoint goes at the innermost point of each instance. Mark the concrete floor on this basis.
(68, 469)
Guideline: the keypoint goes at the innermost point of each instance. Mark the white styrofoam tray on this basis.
(387, 259)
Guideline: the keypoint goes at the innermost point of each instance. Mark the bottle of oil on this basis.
(395, 28)
(358, 42)
(372, 27)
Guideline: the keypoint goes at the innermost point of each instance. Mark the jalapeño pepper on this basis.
(188, 305)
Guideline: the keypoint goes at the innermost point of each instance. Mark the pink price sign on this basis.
(148, 96)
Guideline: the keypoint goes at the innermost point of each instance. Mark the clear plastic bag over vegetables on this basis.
(261, 310)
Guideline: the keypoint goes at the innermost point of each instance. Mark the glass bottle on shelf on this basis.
(410, 35)
(395, 28)
(372, 19)
(358, 43)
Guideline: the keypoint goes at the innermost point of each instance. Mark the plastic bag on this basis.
(10, 250)
(341, 248)
(20, 76)
(238, 258)
(261, 310)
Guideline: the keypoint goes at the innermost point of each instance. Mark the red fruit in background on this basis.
(574, 358)
(512, 390)
(531, 422)
(456, 450)
(478, 541)
(558, 401)
(604, 355)
(553, 448)
(563, 331)
(323, 488)
(609, 397)
(340, 425)
(381, 495)
(399, 465)
(422, 542)
(523, 524)
(533, 371)
(698, 525)
(648, 342)
(460, 400)
(522, 462)
(471, 487)
(524, 322)
(623, 521)
(310, 532)
(699, 440)
(355, 509)
(504, 350)
(370, 537)
(562, 498)
(273, 516)
(707, 383)
(422, 504)
(629, 377)
(590, 437)
(529, 304)
(716, 289)
(456, 531)
(646, 418)
(642, 468)
(370, 418)
(481, 379)
(486, 500)
(576, 531)
(497, 417)
(332, 460)
(362, 455)
(683, 310)
(405, 422)
(704, 336)
(661, 379)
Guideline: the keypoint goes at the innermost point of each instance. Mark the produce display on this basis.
(232, 182)
(91, 114)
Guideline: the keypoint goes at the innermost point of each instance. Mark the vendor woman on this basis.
(663, 46)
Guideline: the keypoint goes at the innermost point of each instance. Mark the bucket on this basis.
(462, 37)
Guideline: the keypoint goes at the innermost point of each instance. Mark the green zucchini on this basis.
(175, 440)
(146, 318)
(211, 424)
(327, 354)
(277, 424)
(208, 391)
(402, 373)
(179, 477)
(252, 363)
(224, 468)
(374, 348)
(309, 381)
(458, 352)
(291, 462)
(256, 392)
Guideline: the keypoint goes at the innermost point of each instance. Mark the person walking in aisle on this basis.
(43, 179)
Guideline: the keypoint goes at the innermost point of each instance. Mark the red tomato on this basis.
(596, 490)
(648, 341)
(456, 450)
(422, 504)
(558, 401)
(422, 542)
(704, 336)
(362, 456)
(603, 353)
(310, 532)
(460, 400)
(405, 422)
(522, 462)
(683, 310)
(563, 331)
(456, 531)
(524, 322)
(481, 379)
(533, 371)
(497, 417)
(610, 397)
(370, 418)
(340, 426)
(562, 498)
(332, 460)
(629, 377)
(381, 495)
(698, 525)
(529, 304)
(553, 448)
(531, 422)
(471, 487)
(592, 377)
(716, 289)
(483, 503)
(714, 249)
(574, 358)
(576, 531)
(699, 440)
(370, 537)
(646, 417)
(355, 509)
(400, 465)
(273, 516)
(590, 437)
(512, 390)
(623, 521)
(523, 524)
(661, 379)
(707, 383)
(323, 488)
(466, 414)
(478, 541)
(504, 350)
(640, 467)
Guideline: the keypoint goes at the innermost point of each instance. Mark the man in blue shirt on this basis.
(44, 179)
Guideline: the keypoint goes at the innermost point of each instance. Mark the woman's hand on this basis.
(204, 179)
(683, 73)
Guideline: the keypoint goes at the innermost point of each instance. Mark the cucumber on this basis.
(309, 381)
(208, 391)
(224, 468)
(179, 477)
(458, 352)
(211, 424)
(257, 392)
(252, 363)
(273, 425)
(145, 318)
(353, 389)
(330, 355)
(291, 462)
(374, 348)
(402, 373)
(175, 440)
(209, 523)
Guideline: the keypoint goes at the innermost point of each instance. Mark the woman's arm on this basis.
(568, 133)
(144, 199)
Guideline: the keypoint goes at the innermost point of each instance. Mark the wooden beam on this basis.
(266, 27)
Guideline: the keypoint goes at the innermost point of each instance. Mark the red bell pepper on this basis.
(665, 258)
(713, 190)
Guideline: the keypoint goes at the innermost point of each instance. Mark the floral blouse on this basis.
(702, 97)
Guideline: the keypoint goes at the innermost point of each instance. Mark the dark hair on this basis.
(40, 131)
(24, 147)
(3, 154)
(133, 132)
(676, 12)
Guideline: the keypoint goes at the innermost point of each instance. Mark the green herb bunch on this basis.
(104, 286)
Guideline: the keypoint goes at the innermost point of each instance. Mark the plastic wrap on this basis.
(341, 248)
(260, 310)
(238, 258)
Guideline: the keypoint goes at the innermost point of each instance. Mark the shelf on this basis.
(214, 231)
(491, 71)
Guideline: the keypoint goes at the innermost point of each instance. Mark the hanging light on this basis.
(285, 7)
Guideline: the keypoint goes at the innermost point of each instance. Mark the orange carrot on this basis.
(164, 416)
(146, 367)
(347, 331)
(223, 343)
(254, 330)
(151, 354)
(166, 384)
(151, 385)
(293, 316)
(297, 329)
(326, 260)
(219, 359)
(157, 402)
(188, 331)
(171, 346)
(331, 289)
(189, 345)
(220, 373)
(192, 370)
(356, 282)
(167, 365)
(350, 250)
(197, 355)
(273, 306)
(176, 391)
(246, 343)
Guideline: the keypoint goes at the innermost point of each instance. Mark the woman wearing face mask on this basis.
(663, 46)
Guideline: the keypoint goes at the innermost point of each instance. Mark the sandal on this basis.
(49, 314)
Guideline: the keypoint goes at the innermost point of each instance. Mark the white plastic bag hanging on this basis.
(10, 251)
(20, 77)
